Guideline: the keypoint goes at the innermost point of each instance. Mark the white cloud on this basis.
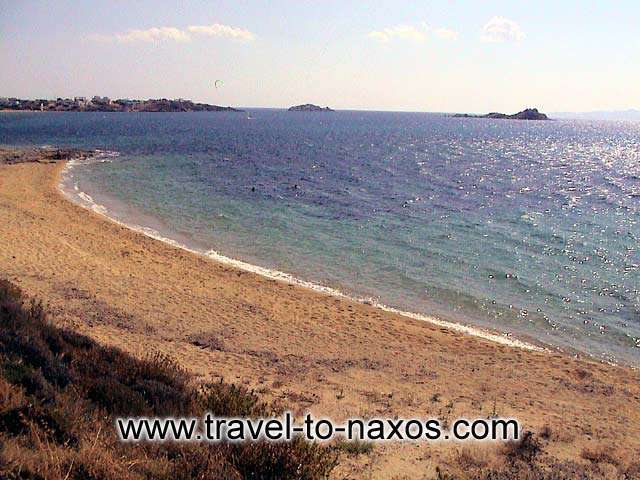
(445, 33)
(154, 34)
(409, 32)
(405, 32)
(378, 35)
(219, 30)
(158, 34)
(500, 29)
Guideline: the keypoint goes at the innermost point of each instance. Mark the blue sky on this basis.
(397, 55)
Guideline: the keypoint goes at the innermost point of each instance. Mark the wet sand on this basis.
(308, 350)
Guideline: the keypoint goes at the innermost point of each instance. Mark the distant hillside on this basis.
(309, 107)
(630, 114)
(527, 114)
(105, 104)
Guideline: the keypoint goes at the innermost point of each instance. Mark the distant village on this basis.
(105, 104)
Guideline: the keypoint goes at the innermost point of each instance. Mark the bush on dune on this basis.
(60, 392)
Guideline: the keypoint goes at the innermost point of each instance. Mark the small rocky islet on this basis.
(309, 107)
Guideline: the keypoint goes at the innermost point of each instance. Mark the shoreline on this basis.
(514, 340)
(86, 201)
(307, 350)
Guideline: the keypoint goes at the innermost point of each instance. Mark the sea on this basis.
(529, 230)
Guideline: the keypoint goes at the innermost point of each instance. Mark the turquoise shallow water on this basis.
(529, 228)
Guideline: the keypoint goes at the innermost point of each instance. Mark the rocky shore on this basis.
(14, 155)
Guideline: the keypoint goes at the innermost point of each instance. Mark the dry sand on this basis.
(306, 349)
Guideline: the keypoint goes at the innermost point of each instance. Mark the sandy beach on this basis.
(308, 350)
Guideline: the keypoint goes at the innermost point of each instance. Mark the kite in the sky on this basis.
(218, 83)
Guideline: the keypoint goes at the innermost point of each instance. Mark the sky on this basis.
(405, 55)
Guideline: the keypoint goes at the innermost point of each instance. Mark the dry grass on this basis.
(601, 454)
(527, 460)
(206, 340)
(353, 447)
(60, 392)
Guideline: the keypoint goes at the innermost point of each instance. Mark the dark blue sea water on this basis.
(530, 228)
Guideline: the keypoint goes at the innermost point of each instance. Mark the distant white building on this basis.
(101, 100)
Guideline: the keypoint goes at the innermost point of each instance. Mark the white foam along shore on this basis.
(85, 200)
